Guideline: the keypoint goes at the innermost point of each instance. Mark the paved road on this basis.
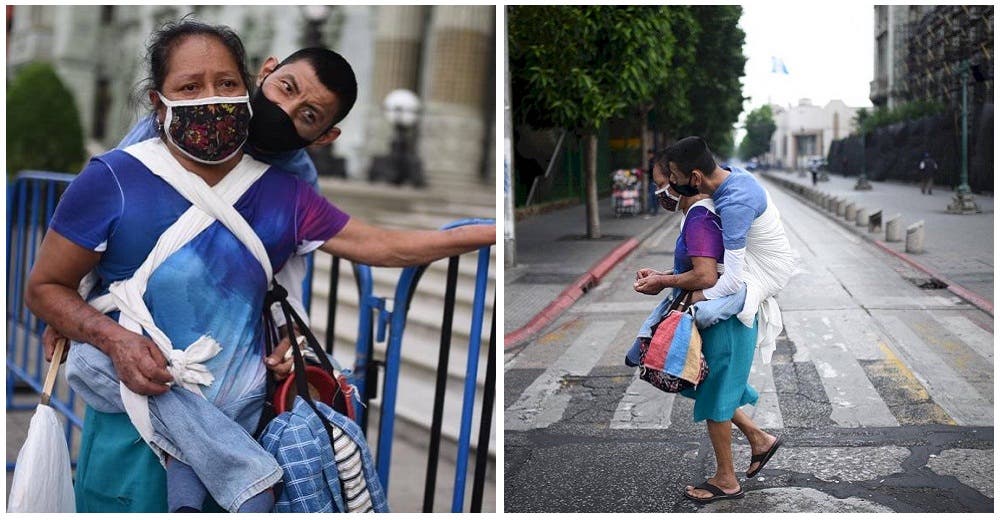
(882, 391)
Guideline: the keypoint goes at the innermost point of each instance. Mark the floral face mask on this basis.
(208, 130)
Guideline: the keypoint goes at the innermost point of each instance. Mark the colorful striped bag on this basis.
(672, 359)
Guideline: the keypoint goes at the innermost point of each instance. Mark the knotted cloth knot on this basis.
(186, 365)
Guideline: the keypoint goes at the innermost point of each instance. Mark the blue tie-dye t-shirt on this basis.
(213, 285)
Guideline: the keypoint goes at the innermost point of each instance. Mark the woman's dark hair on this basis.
(334, 73)
(689, 154)
(163, 42)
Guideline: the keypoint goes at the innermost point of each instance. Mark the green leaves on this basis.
(43, 125)
(760, 127)
(578, 66)
(866, 122)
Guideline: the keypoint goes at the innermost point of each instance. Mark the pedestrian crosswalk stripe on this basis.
(854, 401)
(542, 403)
(946, 387)
(766, 414)
(971, 334)
(903, 394)
(643, 407)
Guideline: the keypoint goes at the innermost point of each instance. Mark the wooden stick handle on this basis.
(50, 377)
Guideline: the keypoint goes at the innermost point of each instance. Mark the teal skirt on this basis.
(728, 347)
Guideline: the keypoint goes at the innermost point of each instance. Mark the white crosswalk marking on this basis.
(643, 407)
(971, 334)
(542, 404)
(766, 414)
(947, 388)
(853, 397)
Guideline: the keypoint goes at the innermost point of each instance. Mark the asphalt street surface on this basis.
(881, 390)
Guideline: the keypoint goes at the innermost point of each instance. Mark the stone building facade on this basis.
(919, 50)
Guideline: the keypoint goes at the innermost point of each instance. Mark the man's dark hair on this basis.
(163, 42)
(689, 154)
(334, 73)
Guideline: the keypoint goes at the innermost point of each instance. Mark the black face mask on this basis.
(685, 190)
(271, 130)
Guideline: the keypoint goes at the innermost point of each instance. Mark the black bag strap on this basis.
(682, 301)
(279, 295)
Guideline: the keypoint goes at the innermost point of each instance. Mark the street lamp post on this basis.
(402, 109)
(963, 201)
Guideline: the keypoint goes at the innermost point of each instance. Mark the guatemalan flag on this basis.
(778, 66)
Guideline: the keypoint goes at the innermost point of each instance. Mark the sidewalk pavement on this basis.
(556, 264)
(958, 247)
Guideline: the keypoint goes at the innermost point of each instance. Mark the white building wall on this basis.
(833, 121)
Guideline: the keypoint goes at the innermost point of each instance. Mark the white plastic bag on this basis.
(43, 481)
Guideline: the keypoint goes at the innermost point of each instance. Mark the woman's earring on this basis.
(159, 125)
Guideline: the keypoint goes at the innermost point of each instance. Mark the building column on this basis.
(399, 33)
(459, 66)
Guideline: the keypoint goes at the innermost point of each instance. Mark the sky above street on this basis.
(827, 48)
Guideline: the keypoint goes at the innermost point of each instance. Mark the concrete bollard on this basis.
(850, 211)
(832, 204)
(915, 238)
(894, 228)
(875, 222)
(841, 206)
(862, 217)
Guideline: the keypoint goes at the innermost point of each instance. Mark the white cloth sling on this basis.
(209, 204)
(770, 264)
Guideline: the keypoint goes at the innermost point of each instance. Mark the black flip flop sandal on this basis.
(762, 458)
(717, 494)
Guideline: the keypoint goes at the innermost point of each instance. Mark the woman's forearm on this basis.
(62, 308)
(689, 281)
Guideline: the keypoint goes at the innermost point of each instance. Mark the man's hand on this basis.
(651, 284)
(277, 362)
(140, 364)
(49, 339)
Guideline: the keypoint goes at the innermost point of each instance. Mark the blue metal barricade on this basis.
(31, 201)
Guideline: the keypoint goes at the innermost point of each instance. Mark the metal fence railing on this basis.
(31, 201)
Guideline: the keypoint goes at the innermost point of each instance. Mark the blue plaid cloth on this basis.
(298, 440)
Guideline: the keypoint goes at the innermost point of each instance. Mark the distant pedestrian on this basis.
(653, 207)
(928, 167)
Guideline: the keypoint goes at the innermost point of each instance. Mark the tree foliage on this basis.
(43, 124)
(760, 127)
(575, 67)
(715, 95)
(866, 121)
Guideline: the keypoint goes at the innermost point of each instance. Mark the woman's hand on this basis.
(277, 362)
(651, 284)
(139, 363)
(50, 337)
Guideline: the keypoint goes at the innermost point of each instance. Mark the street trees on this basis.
(43, 125)
(677, 68)
(576, 67)
(760, 127)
